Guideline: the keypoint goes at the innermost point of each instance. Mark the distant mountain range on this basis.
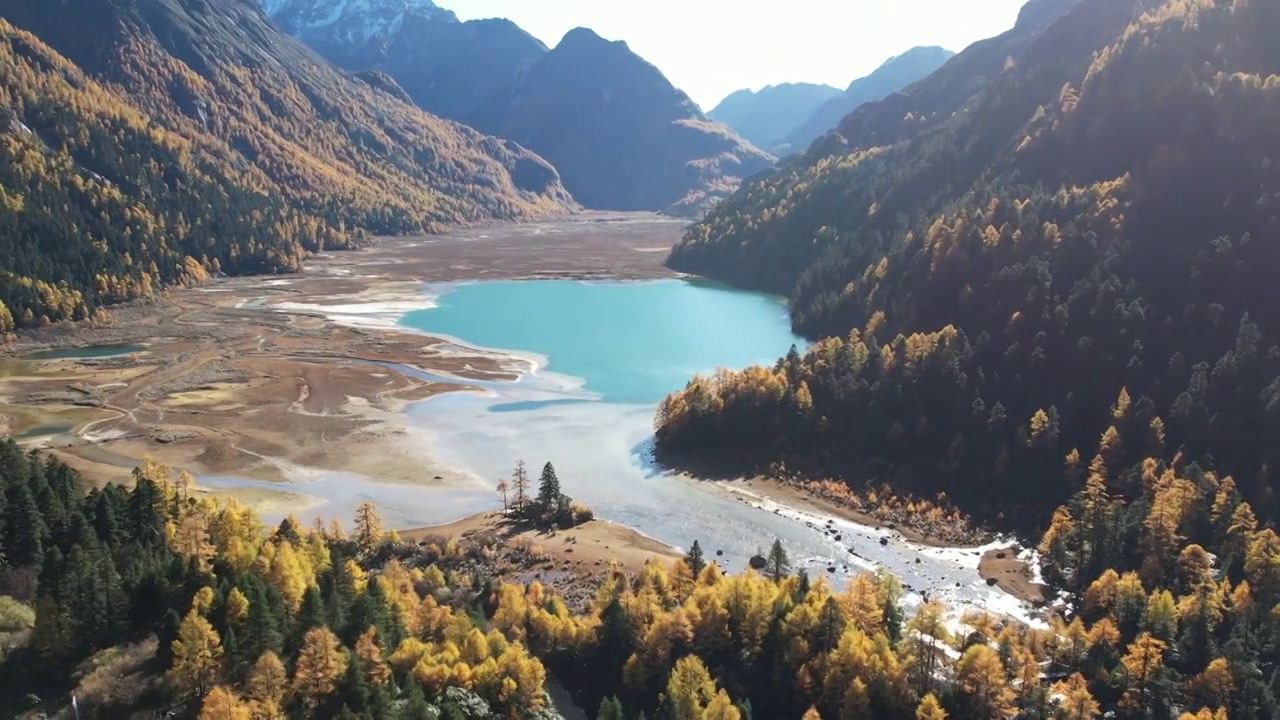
(620, 134)
(894, 75)
(766, 117)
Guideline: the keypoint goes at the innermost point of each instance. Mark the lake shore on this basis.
(273, 378)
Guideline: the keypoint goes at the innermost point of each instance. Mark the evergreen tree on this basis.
(548, 490)
(695, 559)
(779, 564)
(415, 705)
(610, 709)
(25, 528)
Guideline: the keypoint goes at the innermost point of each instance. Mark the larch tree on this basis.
(930, 709)
(197, 657)
(983, 686)
(268, 682)
(1076, 702)
(321, 664)
(1142, 665)
(237, 608)
(502, 489)
(223, 704)
(368, 529)
(689, 690)
(721, 707)
(367, 649)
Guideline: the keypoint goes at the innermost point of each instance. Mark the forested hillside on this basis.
(1086, 245)
(155, 141)
(155, 599)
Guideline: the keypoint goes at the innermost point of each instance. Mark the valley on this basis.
(306, 395)
(323, 397)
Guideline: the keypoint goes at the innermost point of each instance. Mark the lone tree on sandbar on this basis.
(779, 563)
(695, 560)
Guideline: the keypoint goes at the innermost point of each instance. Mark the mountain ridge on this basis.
(487, 73)
(1079, 246)
(891, 76)
(766, 116)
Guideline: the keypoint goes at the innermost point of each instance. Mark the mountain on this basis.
(1081, 248)
(895, 74)
(621, 136)
(763, 118)
(157, 141)
(451, 68)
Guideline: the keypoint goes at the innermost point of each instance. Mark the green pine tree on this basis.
(695, 559)
(548, 490)
(778, 563)
(610, 709)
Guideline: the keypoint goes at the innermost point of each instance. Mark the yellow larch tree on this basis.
(930, 709)
(689, 690)
(371, 658)
(237, 607)
(981, 679)
(1143, 660)
(197, 657)
(223, 704)
(268, 683)
(368, 529)
(320, 667)
(721, 707)
(1076, 702)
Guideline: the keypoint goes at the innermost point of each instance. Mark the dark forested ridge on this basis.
(155, 141)
(1083, 249)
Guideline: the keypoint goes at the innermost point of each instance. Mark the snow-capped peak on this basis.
(348, 21)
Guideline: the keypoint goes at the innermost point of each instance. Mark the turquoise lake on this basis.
(605, 354)
(631, 342)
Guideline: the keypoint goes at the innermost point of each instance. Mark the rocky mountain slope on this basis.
(1066, 234)
(621, 135)
(766, 117)
(895, 74)
(157, 140)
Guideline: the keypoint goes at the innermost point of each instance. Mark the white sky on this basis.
(710, 48)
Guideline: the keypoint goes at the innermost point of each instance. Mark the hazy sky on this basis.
(709, 48)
